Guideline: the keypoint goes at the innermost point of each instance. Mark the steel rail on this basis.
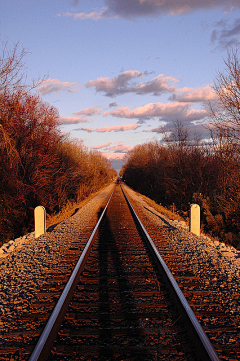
(208, 352)
(47, 338)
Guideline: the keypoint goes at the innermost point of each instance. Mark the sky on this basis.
(121, 71)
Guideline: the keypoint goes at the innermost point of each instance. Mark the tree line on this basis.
(39, 165)
(182, 170)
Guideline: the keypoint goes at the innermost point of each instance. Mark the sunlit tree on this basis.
(39, 166)
(225, 111)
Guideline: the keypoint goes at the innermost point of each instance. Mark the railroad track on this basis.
(120, 303)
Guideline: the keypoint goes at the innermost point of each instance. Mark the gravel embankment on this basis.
(216, 264)
(25, 262)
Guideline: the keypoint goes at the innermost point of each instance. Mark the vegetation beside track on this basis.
(39, 164)
(183, 169)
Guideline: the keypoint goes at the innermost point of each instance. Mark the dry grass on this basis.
(69, 209)
(175, 216)
(166, 212)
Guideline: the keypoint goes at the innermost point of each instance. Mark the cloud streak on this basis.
(79, 116)
(102, 146)
(72, 120)
(151, 8)
(88, 112)
(116, 128)
(226, 34)
(54, 86)
(120, 147)
(93, 15)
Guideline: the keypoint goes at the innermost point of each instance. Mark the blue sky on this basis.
(120, 70)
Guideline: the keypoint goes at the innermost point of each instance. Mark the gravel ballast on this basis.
(212, 261)
(26, 261)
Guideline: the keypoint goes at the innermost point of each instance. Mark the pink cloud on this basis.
(167, 112)
(117, 150)
(155, 130)
(193, 114)
(194, 95)
(157, 86)
(111, 155)
(120, 148)
(88, 111)
(86, 129)
(116, 128)
(101, 146)
(54, 86)
(93, 15)
(150, 110)
(72, 120)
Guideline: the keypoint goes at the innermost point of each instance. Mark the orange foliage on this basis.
(177, 174)
(39, 166)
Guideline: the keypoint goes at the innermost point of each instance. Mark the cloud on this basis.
(102, 146)
(136, 8)
(144, 8)
(161, 84)
(88, 112)
(155, 130)
(157, 86)
(120, 148)
(93, 15)
(149, 110)
(86, 129)
(72, 120)
(193, 115)
(166, 112)
(201, 94)
(54, 86)
(114, 86)
(116, 128)
(112, 105)
(200, 129)
(226, 34)
(115, 157)
(123, 83)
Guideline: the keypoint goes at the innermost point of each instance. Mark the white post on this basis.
(40, 221)
(195, 219)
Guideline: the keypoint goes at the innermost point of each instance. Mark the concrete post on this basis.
(40, 221)
(195, 219)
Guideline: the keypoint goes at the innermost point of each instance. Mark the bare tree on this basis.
(225, 111)
(12, 67)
